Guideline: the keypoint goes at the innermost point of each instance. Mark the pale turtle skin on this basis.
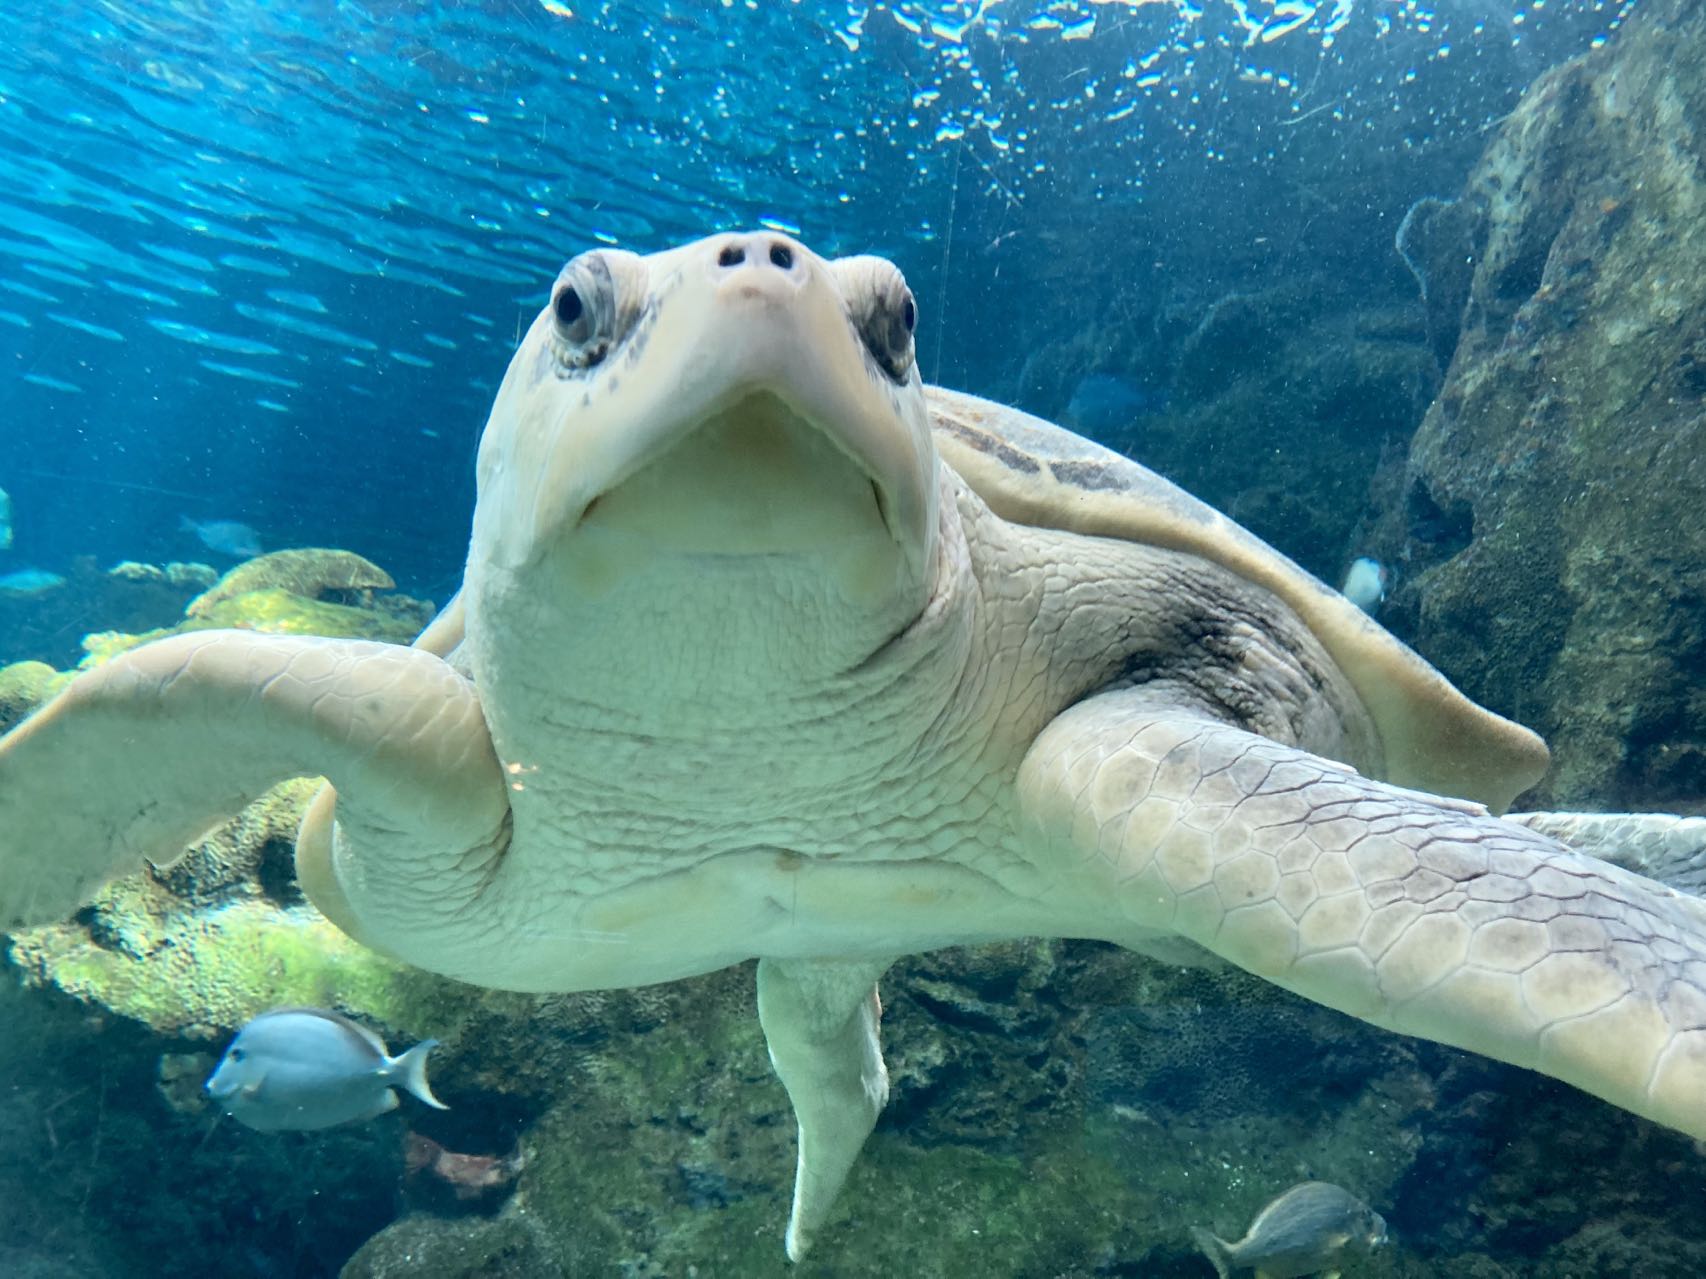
(766, 649)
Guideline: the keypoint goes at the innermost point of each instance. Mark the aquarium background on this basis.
(264, 264)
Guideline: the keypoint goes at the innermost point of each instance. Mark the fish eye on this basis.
(237, 1054)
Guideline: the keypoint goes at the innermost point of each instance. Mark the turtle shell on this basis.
(1029, 471)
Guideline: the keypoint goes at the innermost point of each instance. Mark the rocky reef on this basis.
(1276, 404)
(1059, 1109)
(1546, 521)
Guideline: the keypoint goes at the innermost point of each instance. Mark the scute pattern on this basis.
(1411, 911)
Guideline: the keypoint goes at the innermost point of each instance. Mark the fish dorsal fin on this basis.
(355, 1028)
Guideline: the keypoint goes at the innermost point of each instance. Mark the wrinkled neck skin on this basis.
(700, 664)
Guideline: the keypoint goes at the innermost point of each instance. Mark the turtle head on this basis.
(738, 411)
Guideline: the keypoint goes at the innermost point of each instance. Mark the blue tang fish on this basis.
(303, 1068)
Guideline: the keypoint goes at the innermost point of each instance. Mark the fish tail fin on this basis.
(409, 1072)
(1216, 1249)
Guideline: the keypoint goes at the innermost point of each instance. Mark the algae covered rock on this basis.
(512, 1246)
(1280, 402)
(298, 592)
(311, 572)
(1546, 527)
(1019, 1137)
(23, 687)
(335, 598)
(394, 619)
(204, 973)
(45, 625)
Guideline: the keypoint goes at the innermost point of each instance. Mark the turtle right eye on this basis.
(887, 325)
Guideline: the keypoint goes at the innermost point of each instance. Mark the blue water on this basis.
(265, 262)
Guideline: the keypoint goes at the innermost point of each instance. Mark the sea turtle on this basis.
(766, 649)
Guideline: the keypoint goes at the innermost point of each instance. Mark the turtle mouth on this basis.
(755, 478)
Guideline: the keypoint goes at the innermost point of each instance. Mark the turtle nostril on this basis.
(781, 256)
(732, 255)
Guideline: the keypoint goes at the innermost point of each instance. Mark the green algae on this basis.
(306, 572)
(280, 612)
(275, 611)
(200, 974)
(25, 686)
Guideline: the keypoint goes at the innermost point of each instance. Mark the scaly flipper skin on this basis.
(138, 758)
(1416, 914)
(820, 1021)
(1660, 846)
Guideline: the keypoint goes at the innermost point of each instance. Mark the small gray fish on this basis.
(228, 537)
(1313, 1228)
(301, 1068)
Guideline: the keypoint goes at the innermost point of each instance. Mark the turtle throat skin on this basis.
(709, 473)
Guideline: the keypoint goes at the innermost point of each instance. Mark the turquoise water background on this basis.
(266, 262)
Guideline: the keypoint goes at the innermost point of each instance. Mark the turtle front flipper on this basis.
(820, 1022)
(140, 757)
(1416, 913)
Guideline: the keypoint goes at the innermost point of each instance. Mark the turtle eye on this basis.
(881, 309)
(888, 328)
(593, 306)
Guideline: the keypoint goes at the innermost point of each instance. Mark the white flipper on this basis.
(1660, 846)
(820, 1021)
(1410, 913)
(140, 757)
